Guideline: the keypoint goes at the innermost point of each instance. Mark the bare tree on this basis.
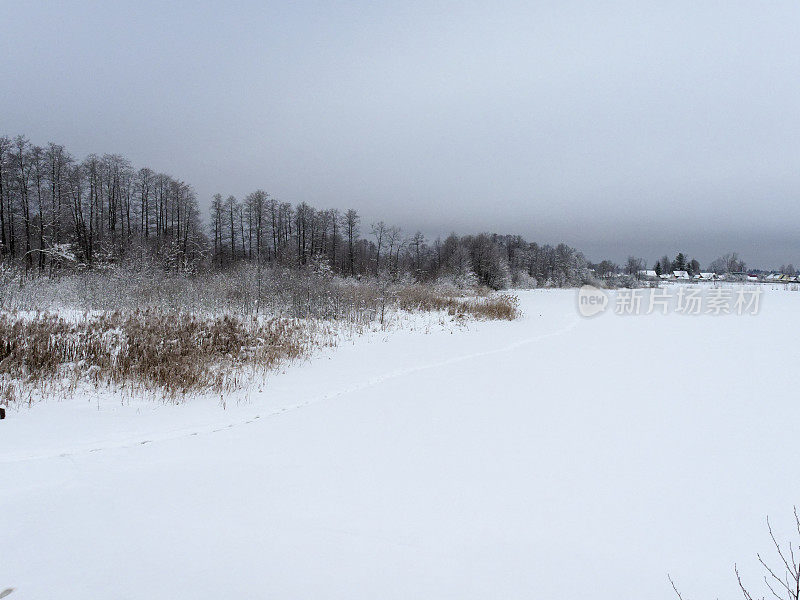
(394, 237)
(232, 207)
(59, 161)
(23, 174)
(606, 268)
(379, 231)
(417, 245)
(37, 158)
(351, 220)
(730, 263)
(633, 265)
(5, 147)
(781, 579)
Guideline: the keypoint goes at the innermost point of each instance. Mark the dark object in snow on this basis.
(2, 416)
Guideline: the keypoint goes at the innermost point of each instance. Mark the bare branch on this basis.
(674, 587)
(772, 573)
(746, 594)
(766, 581)
(780, 551)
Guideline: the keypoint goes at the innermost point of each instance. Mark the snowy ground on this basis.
(551, 457)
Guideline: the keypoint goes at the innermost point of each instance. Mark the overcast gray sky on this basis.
(619, 127)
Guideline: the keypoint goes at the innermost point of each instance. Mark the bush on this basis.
(174, 353)
(177, 333)
(504, 306)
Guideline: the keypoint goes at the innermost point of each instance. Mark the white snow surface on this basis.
(550, 457)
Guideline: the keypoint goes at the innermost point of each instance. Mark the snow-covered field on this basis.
(551, 457)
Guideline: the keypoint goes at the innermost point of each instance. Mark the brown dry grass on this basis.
(419, 297)
(174, 353)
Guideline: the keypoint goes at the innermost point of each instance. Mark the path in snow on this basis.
(538, 459)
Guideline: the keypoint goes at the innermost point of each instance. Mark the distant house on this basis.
(648, 274)
(780, 278)
(752, 277)
(707, 276)
(681, 275)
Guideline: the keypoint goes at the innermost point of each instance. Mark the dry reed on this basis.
(192, 336)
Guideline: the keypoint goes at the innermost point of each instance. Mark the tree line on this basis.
(261, 228)
(729, 263)
(58, 212)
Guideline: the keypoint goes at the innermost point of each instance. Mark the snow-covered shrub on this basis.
(425, 298)
(173, 353)
(624, 281)
(520, 279)
(180, 332)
